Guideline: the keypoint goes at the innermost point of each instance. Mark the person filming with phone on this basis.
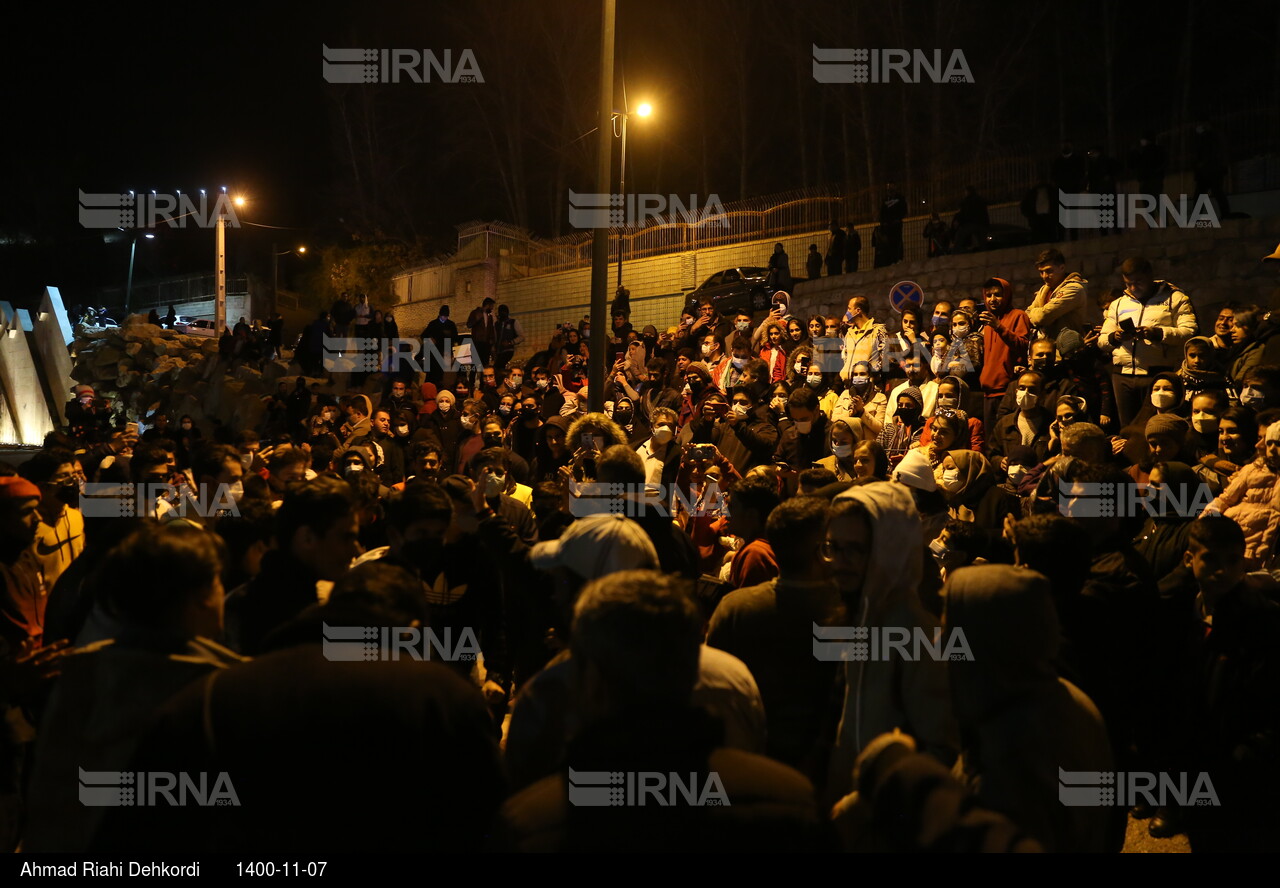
(1144, 330)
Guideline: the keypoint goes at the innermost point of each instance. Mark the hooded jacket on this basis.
(1166, 307)
(1021, 724)
(1053, 311)
(891, 693)
(1004, 344)
(1252, 500)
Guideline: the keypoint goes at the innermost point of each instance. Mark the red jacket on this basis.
(1004, 347)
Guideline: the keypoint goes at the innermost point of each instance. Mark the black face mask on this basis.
(493, 439)
(622, 418)
(69, 492)
(909, 417)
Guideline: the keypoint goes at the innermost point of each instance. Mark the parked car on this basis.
(734, 289)
(194, 326)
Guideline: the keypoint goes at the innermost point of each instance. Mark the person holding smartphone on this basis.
(1144, 330)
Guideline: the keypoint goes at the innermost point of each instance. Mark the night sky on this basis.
(169, 97)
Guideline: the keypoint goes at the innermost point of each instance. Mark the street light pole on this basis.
(128, 286)
(622, 187)
(220, 277)
(600, 241)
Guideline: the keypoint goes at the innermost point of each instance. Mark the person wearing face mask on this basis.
(60, 533)
(920, 378)
(969, 484)
(697, 382)
(1028, 425)
(843, 441)
(1165, 398)
(1206, 413)
(751, 425)
(864, 339)
(1043, 359)
(1258, 388)
(506, 409)
(803, 438)
(727, 371)
(632, 425)
(903, 430)
(777, 402)
(965, 352)
(188, 439)
(862, 401)
(819, 382)
(494, 470)
(446, 424)
(661, 453)
(959, 544)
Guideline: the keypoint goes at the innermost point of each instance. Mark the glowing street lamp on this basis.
(644, 109)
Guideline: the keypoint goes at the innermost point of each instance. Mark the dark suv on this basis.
(735, 288)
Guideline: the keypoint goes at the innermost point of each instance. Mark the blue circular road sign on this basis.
(905, 292)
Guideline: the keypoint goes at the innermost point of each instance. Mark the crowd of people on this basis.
(647, 586)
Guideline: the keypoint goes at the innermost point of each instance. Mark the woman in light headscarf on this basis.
(968, 481)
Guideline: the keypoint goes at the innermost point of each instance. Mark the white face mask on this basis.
(236, 490)
(742, 325)
(1161, 400)
(778, 404)
(541, 383)
(1015, 473)
(706, 349)
(1027, 400)
(1251, 397)
(662, 434)
(468, 422)
(494, 484)
(1204, 423)
(687, 391)
(504, 409)
(814, 379)
(858, 381)
(946, 400)
(804, 426)
(740, 409)
(798, 367)
(516, 382)
(960, 329)
(402, 430)
(842, 451)
(739, 363)
(949, 480)
(444, 406)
